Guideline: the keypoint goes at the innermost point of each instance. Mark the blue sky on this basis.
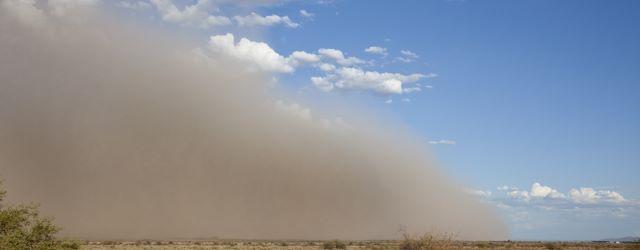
(511, 93)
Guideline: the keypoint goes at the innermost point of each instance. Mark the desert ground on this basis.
(303, 245)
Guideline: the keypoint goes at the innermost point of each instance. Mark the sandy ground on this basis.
(300, 245)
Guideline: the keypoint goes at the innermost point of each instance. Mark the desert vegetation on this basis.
(22, 227)
(440, 241)
(424, 242)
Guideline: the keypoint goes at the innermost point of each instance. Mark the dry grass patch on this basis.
(430, 241)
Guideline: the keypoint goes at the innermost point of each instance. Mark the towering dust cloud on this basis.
(119, 133)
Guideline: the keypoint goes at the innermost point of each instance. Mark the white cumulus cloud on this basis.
(590, 195)
(540, 191)
(258, 54)
(578, 201)
(339, 57)
(306, 14)
(408, 53)
(407, 56)
(326, 67)
(584, 195)
(349, 78)
(480, 193)
(377, 50)
(261, 56)
(254, 19)
(301, 56)
(412, 89)
(518, 194)
(322, 83)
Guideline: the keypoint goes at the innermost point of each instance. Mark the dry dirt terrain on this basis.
(302, 245)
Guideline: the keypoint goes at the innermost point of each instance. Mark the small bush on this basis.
(483, 245)
(335, 244)
(22, 227)
(113, 243)
(431, 241)
(552, 246)
(70, 244)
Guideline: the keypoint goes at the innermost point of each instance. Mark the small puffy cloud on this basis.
(517, 194)
(326, 67)
(193, 15)
(301, 56)
(410, 54)
(480, 193)
(584, 195)
(540, 191)
(377, 50)
(306, 14)
(442, 141)
(255, 19)
(407, 56)
(134, 5)
(339, 57)
(412, 89)
(388, 101)
(322, 83)
(347, 78)
(590, 195)
(215, 21)
(256, 53)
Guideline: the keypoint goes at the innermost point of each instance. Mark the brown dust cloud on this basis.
(120, 131)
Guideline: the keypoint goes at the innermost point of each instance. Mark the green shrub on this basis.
(483, 245)
(335, 244)
(22, 227)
